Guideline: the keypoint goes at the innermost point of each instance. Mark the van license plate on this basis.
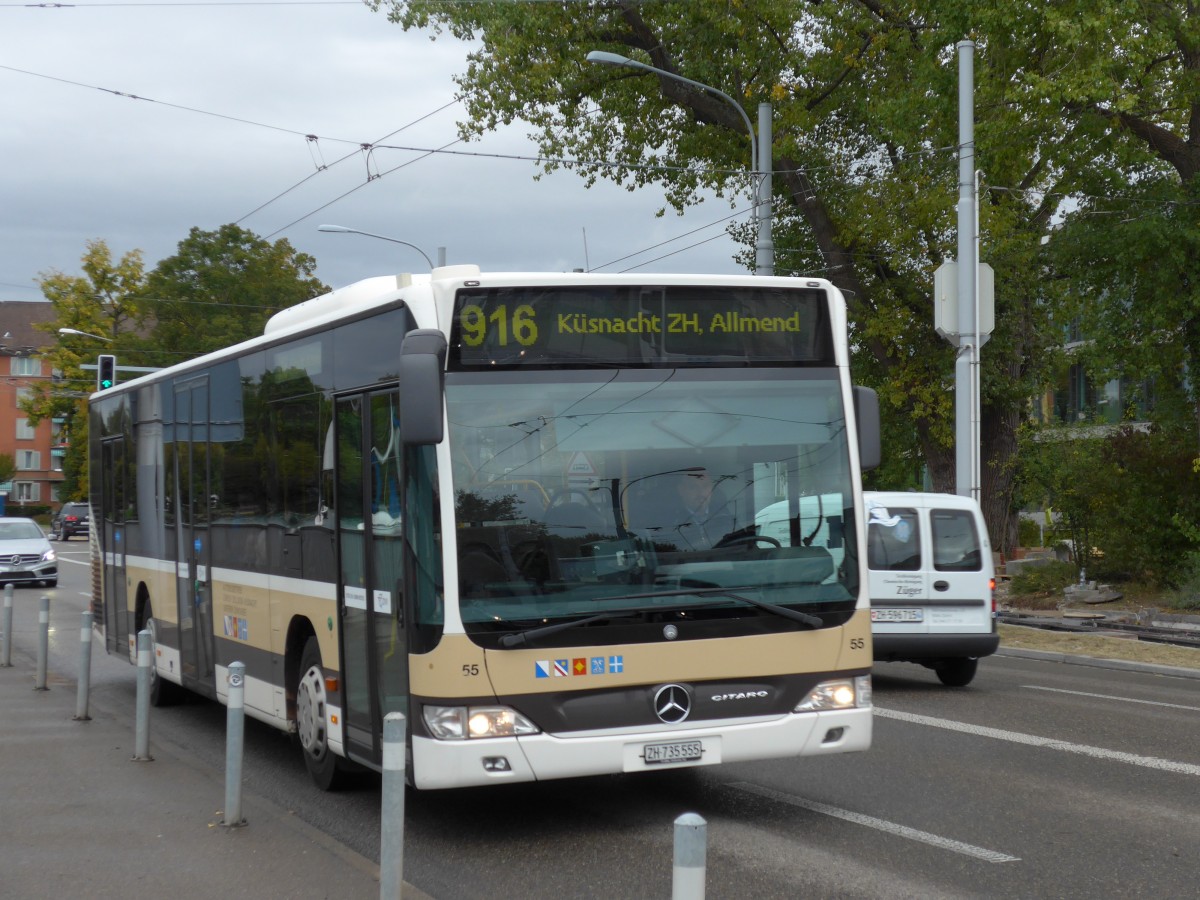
(897, 615)
(680, 751)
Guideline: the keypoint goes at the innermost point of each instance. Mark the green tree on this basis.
(220, 288)
(864, 154)
(8, 466)
(1130, 246)
(100, 302)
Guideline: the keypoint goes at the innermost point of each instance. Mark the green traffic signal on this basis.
(106, 371)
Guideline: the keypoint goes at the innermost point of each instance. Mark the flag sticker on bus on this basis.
(237, 627)
(581, 665)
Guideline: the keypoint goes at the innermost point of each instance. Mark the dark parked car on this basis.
(25, 554)
(70, 520)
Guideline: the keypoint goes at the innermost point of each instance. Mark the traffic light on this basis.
(106, 371)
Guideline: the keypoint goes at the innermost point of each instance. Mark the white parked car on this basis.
(25, 554)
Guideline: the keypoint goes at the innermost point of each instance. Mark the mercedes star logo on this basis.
(16, 560)
(672, 703)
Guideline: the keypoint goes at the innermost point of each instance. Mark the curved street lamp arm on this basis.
(341, 229)
(614, 59)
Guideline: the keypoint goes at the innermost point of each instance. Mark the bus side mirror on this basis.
(866, 413)
(422, 387)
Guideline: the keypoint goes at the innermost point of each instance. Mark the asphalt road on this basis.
(1039, 780)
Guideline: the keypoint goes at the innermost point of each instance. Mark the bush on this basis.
(1029, 533)
(1186, 597)
(1049, 578)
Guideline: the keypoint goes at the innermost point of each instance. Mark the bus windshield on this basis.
(711, 493)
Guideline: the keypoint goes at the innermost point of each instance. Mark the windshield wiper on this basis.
(521, 638)
(524, 637)
(794, 614)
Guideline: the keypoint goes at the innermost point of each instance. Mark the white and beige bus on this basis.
(519, 509)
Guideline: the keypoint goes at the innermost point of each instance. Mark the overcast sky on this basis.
(228, 93)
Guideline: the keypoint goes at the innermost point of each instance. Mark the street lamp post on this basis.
(760, 162)
(84, 334)
(342, 229)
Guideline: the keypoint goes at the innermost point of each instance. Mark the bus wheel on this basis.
(311, 722)
(956, 672)
(162, 692)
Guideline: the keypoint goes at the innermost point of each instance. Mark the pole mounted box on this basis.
(945, 303)
(106, 371)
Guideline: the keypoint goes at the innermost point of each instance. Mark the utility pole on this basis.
(764, 248)
(965, 449)
(964, 310)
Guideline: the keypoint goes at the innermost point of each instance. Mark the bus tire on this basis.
(311, 720)
(956, 672)
(162, 692)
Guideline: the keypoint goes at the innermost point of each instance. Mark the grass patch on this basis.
(1024, 638)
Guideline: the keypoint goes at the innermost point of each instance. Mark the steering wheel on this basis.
(570, 495)
(735, 540)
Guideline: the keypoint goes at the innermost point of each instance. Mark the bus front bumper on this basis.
(542, 757)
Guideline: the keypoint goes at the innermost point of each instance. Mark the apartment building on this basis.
(35, 449)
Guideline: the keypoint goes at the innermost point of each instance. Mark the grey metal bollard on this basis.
(391, 831)
(85, 667)
(6, 647)
(691, 839)
(43, 651)
(235, 736)
(141, 742)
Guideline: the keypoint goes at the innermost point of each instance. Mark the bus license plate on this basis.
(680, 751)
(897, 615)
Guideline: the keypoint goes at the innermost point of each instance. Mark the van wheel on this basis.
(956, 672)
(311, 723)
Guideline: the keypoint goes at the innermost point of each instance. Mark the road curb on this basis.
(1098, 663)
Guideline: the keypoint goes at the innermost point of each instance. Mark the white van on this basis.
(931, 581)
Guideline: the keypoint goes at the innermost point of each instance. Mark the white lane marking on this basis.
(75, 562)
(878, 824)
(1038, 687)
(1032, 740)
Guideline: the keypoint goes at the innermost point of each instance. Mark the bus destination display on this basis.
(613, 324)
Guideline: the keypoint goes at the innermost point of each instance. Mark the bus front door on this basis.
(191, 494)
(371, 598)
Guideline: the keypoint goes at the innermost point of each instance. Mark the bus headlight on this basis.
(458, 723)
(844, 693)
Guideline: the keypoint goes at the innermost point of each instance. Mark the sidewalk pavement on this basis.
(82, 818)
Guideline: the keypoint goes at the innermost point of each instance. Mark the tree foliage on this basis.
(1121, 497)
(220, 288)
(102, 303)
(864, 153)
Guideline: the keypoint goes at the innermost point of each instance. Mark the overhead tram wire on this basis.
(185, 3)
(361, 147)
(167, 103)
